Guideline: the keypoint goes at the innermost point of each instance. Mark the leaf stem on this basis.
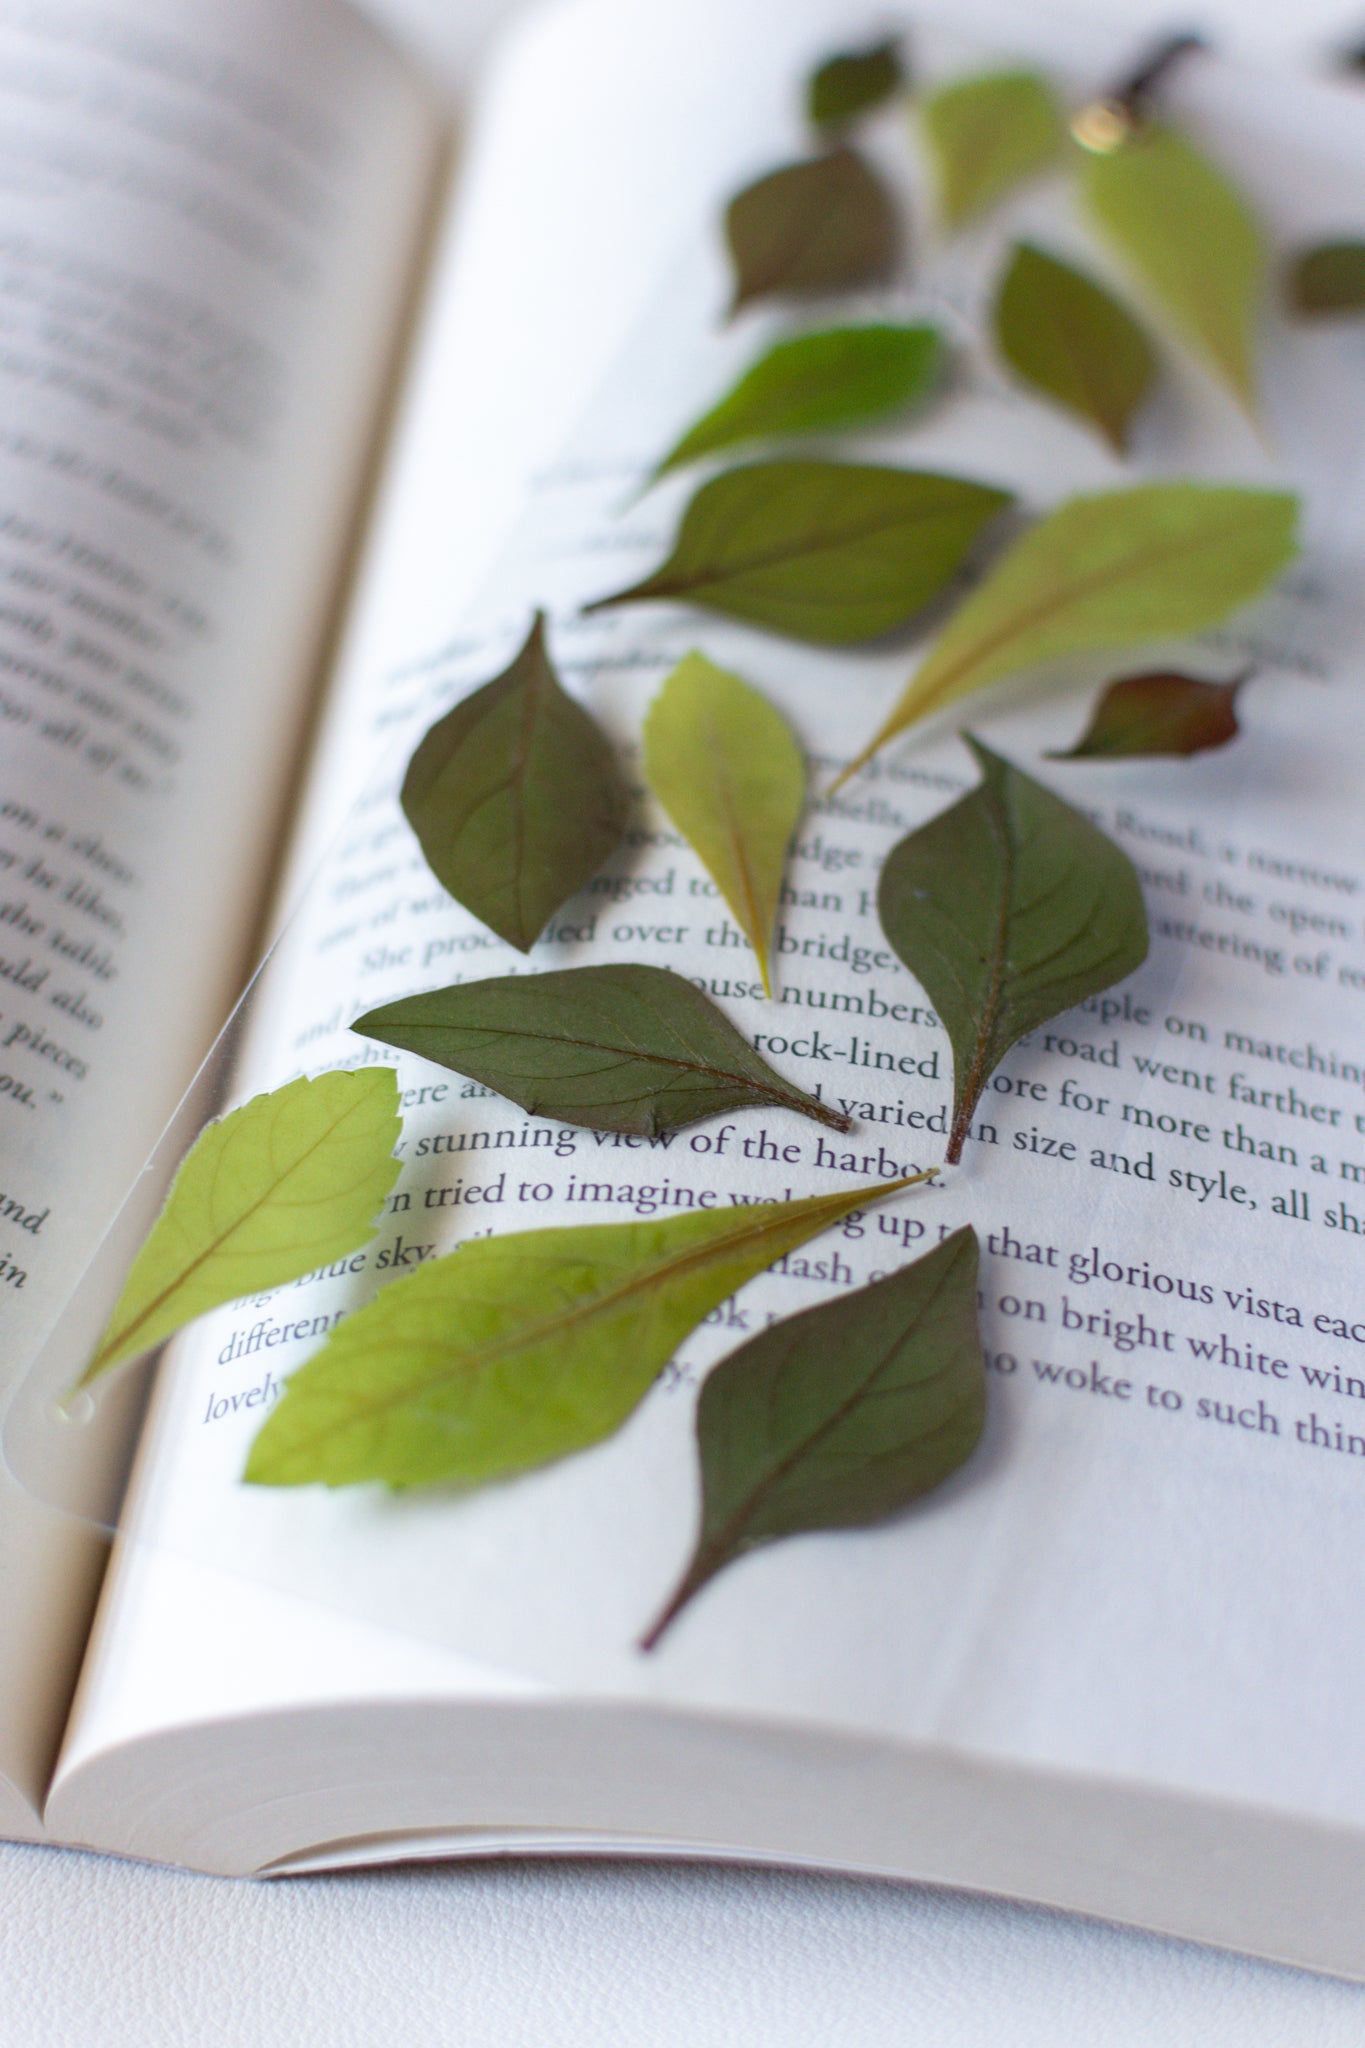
(1134, 92)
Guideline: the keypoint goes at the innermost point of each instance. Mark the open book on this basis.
(1115, 1663)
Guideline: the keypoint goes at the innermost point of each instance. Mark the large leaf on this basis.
(514, 1351)
(516, 798)
(1118, 569)
(617, 1048)
(852, 83)
(833, 552)
(1072, 341)
(841, 1416)
(1328, 280)
(1161, 713)
(289, 1182)
(1008, 908)
(817, 383)
(988, 134)
(1191, 238)
(811, 229)
(727, 768)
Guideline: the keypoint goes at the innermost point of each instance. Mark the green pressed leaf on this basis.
(988, 134)
(831, 552)
(289, 1182)
(1191, 238)
(841, 1416)
(727, 768)
(1162, 713)
(851, 84)
(1327, 280)
(1114, 570)
(516, 798)
(818, 383)
(618, 1048)
(1070, 340)
(811, 229)
(1008, 908)
(514, 1351)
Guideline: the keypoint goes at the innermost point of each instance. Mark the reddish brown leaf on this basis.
(1161, 713)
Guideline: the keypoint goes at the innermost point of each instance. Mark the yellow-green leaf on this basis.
(726, 767)
(988, 134)
(289, 1182)
(515, 1351)
(1191, 238)
(810, 229)
(1070, 339)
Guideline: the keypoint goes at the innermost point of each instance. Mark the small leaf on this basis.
(817, 383)
(841, 1416)
(831, 552)
(1114, 570)
(811, 229)
(618, 1048)
(727, 768)
(1008, 907)
(1073, 342)
(988, 134)
(1191, 238)
(516, 798)
(514, 1351)
(851, 84)
(289, 1182)
(1162, 713)
(1327, 280)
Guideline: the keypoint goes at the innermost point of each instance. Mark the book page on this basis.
(207, 220)
(1127, 1578)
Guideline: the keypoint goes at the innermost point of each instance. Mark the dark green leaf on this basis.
(514, 1351)
(833, 552)
(851, 84)
(812, 229)
(816, 383)
(619, 1048)
(1008, 907)
(1067, 337)
(1328, 280)
(839, 1417)
(988, 134)
(1161, 713)
(516, 798)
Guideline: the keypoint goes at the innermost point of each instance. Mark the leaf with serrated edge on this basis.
(1067, 337)
(1192, 240)
(988, 134)
(1161, 713)
(812, 229)
(852, 83)
(840, 1417)
(1327, 281)
(515, 1351)
(1008, 908)
(624, 1047)
(726, 767)
(516, 798)
(837, 377)
(1114, 570)
(287, 1183)
(828, 552)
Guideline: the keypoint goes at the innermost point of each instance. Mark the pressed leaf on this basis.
(1008, 907)
(287, 1183)
(852, 83)
(514, 1351)
(1068, 338)
(811, 229)
(832, 552)
(816, 383)
(1114, 570)
(727, 768)
(1191, 238)
(841, 1416)
(617, 1048)
(988, 134)
(1328, 280)
(1162, 713)
(516, 798)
